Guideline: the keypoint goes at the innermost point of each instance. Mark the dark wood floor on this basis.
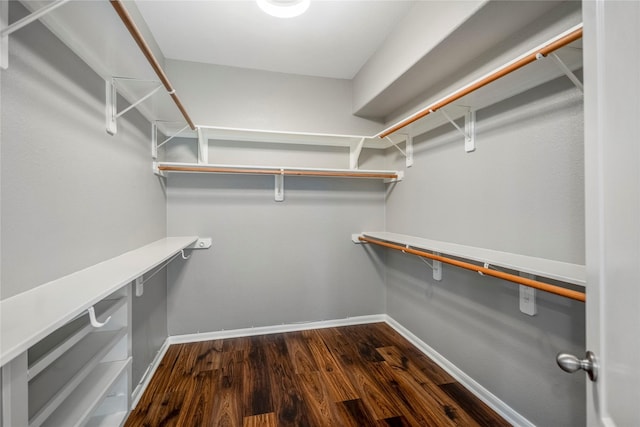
(365, 375)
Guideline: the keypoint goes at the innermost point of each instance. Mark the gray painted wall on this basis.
(273, 262)
(241, 98)
(522, 191)
(72, 195)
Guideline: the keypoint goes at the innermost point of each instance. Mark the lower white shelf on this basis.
(52, 388)
(78, 407)
(55, 345)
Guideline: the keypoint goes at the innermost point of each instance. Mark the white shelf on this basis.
(28, 317)
(55, 345)
(78, 407)
(111, 420)
(556, 270)
(55, 384)
(277, 170)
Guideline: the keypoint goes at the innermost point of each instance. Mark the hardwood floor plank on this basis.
(262, 420)
(227, 406)
(394, 422)
(322, 409)
(431, 369)
(288, 402)
(300, 353)
(338, 384)
(429, 398)
(257, 398)
(198, 404)
(372, 393)
(473, 406)
(354, 414)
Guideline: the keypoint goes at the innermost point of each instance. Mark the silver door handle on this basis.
(570, 363)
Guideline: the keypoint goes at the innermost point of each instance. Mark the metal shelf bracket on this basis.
(469, 131)
(354, 153)
(111, 109)
(203, 147)
(279, 186)
(566, 70)
(6, 29)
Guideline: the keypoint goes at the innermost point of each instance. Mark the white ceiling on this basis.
(334, 38)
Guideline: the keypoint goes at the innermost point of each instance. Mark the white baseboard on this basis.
(146, 378)
(469, 383)
(482, 393)
(277, 329)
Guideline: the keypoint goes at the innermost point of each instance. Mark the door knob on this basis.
(570, 363)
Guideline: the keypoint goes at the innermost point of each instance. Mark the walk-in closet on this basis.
(319, 213)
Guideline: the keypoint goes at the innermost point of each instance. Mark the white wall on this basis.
(73, 196)
(273, 262)
(521, 191)
(241, 98)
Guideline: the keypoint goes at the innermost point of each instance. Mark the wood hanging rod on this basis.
(557, 290)
(499, 73)
(284, 171)
(146, 50)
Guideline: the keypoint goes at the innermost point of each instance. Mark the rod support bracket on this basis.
(279, 186)
(355, 238)
(398, 179)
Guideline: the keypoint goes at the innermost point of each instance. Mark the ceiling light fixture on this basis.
(284, 8)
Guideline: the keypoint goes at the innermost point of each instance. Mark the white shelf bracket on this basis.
(279, 186)
(560, 63)
(437, 269)
(355, 238)
(528, 303)
(6, 29)
(203, 147)
(469, 132)
(409, 149)
(111, 108)
(111, 97)
(154, 140)
(202, 243)
(173, 136)
(396, 146)
(354, 153)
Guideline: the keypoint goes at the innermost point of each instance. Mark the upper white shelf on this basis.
(557, 270)
(30, 316)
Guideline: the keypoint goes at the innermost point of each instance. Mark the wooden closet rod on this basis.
(557, 290)
(501, 72)
(146, 50)
(276, 172)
